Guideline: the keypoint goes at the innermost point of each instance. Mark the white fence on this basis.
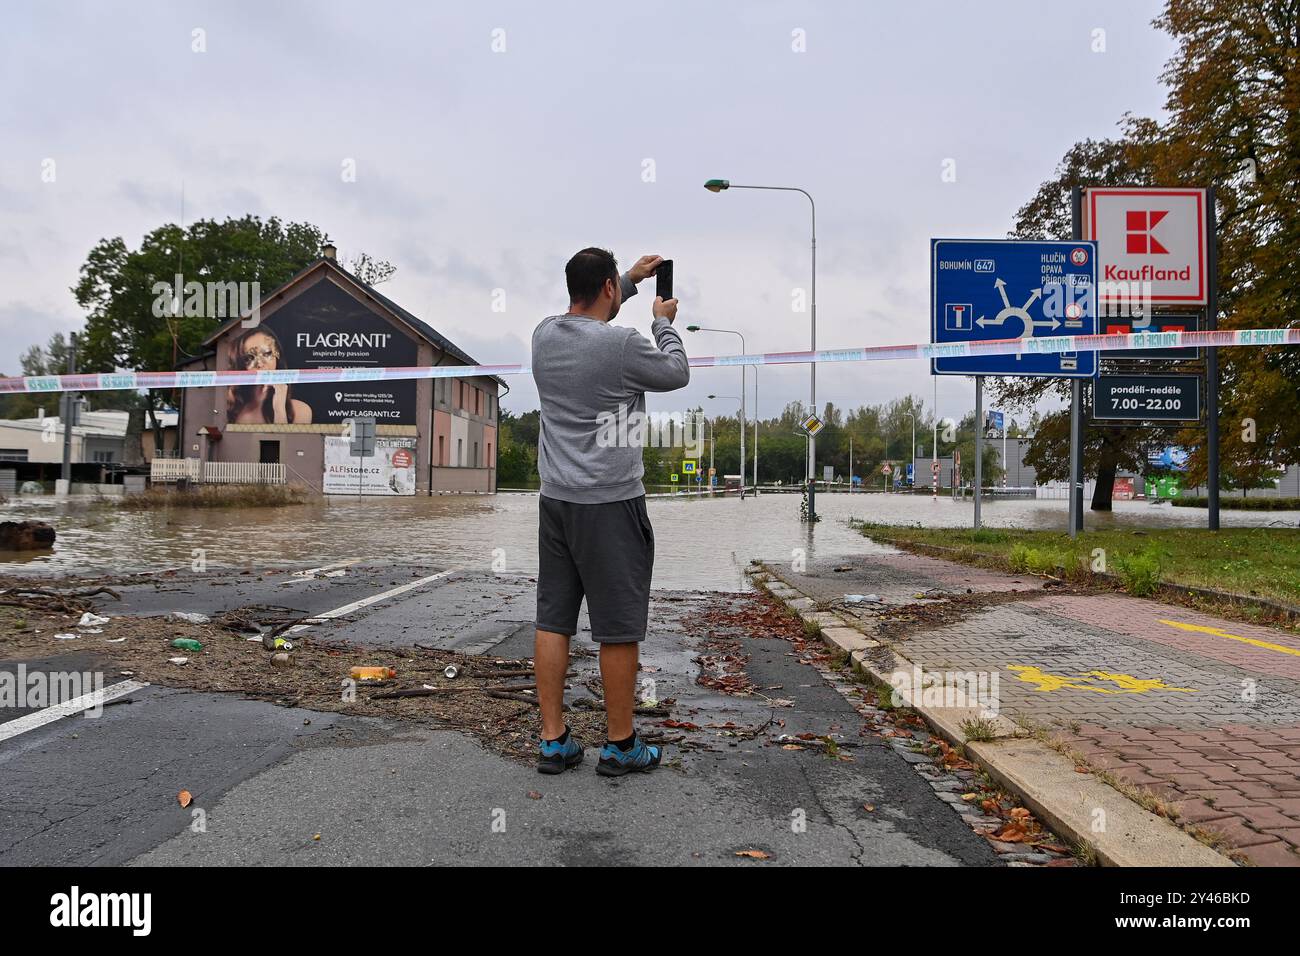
(217, 472)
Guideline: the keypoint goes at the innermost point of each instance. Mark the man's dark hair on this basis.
(586, 273)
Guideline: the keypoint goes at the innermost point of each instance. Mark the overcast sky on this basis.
(493, 140)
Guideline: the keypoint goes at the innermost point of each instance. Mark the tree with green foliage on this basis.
(1233, 89)
(124, 329)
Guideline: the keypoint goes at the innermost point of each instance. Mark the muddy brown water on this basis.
(700, 543)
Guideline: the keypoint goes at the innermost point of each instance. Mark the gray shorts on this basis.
(604, 552)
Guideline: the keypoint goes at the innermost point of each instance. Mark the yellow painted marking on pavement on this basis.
(1127, 683)
(1219, 632)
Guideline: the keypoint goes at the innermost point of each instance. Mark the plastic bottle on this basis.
(187, 644)
(372, 673)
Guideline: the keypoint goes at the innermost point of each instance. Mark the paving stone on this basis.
(1223, 761)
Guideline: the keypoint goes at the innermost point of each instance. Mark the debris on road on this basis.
(372, 673)
(192, 617)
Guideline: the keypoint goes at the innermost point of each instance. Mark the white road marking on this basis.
(367, 601)
(75, 706)
(325, 570)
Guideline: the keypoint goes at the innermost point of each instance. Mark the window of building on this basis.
(442, 451)
(489, 457)
(269, 452)
(477, 463)
(460, 452)
(13, 454)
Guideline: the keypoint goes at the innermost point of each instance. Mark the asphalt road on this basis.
(276, 785)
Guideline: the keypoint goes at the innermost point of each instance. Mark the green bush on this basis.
(1140, 572)
(988, 536)
(1042, 562)
(1019, 558)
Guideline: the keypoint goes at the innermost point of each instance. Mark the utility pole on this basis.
(67, 413)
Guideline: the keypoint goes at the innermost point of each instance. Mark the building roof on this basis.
(418, 325)
(105, 424)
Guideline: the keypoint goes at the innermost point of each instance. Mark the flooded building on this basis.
(433, 435)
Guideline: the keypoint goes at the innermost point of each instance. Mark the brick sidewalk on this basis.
(1201, 711)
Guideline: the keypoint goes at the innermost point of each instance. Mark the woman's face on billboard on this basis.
(259, 351)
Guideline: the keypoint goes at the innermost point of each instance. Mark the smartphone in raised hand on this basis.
(664, 280)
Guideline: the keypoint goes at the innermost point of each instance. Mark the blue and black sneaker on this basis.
(615, 761)
(557, 756)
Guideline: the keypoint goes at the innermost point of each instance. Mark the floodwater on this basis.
(701, 543)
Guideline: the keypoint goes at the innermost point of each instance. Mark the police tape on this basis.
(1044, 345)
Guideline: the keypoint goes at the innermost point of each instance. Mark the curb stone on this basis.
(1071, 804)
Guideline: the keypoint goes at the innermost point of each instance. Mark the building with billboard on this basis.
(433, 435)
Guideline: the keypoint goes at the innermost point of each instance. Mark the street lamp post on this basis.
(717, 186)
(701, 328)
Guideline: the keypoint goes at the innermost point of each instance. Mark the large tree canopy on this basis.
(1233, 122)
(116, 285)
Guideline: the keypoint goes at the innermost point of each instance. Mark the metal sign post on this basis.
(361, 432)
(1212, 361)
(1076, 396)
(979, 444)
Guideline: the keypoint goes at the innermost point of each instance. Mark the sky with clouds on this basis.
(491, 140)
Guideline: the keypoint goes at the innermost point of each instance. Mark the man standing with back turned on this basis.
(594, 536)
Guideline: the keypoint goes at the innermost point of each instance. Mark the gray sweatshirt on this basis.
(588, 371)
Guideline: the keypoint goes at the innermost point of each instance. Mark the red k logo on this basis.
(1139, 226)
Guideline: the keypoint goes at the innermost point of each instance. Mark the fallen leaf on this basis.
(753, 854)
(534, 795)
(970, 796)
(869, 807)
(1011, 833)
(185, 798)
(1019, 814)
(990, 806)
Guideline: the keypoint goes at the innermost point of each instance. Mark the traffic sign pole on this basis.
(1076, 395)
(1212, 361)
(979, 444)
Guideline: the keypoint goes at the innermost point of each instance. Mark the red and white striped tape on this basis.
(110, 381)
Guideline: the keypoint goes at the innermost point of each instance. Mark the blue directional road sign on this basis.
(1008, 288)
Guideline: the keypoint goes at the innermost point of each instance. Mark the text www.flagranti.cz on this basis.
(1203, 923)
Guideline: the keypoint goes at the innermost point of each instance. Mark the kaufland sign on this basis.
(1150, 244)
